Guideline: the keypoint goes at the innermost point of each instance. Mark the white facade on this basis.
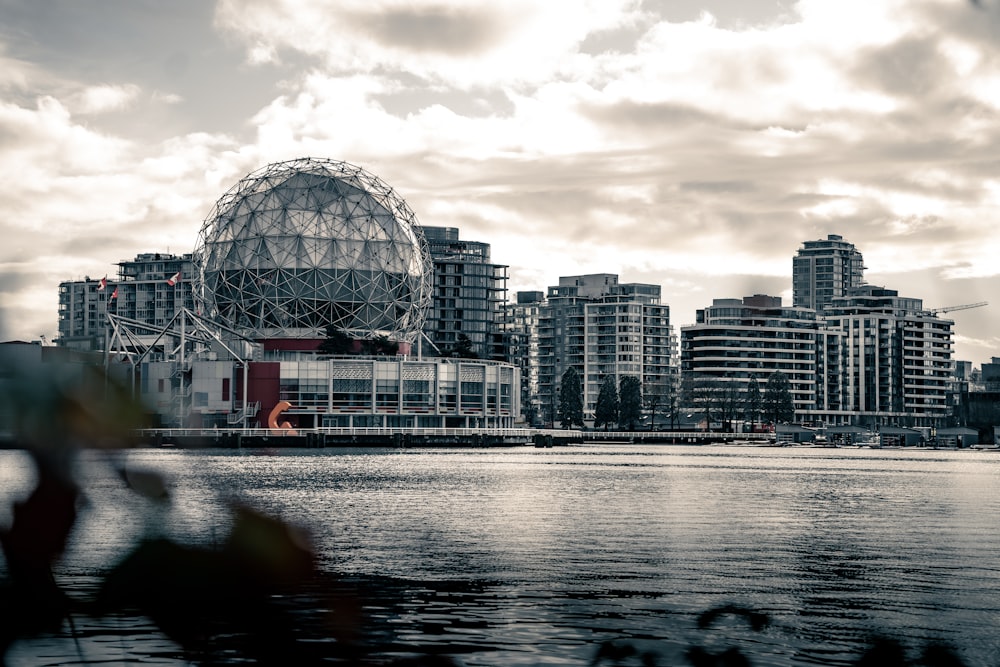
(874, 358)
(736, 339)
(897, 357)
(345, 392)
(141, 291)
(824, 270)
(602, 329)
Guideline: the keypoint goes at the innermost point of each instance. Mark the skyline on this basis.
(693, 145)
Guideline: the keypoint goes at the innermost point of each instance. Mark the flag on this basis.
(104, 283)
(174, 279)
(114, 295)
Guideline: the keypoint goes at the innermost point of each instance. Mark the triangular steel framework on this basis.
(300, 245)
(185, 337)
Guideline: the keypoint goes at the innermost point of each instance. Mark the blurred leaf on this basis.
(145, 482)
(41, 525)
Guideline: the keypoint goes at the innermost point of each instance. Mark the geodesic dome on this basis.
(303, 244)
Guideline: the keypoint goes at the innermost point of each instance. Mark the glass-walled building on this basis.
(359, 392)
(468, 295)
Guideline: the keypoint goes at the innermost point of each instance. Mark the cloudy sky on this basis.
(690, 143)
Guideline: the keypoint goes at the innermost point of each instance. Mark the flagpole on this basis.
(183, 368)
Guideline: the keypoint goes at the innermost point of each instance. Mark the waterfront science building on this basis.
(310, 283)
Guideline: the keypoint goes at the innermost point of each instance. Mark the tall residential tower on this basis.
(469, 294)
(825, 270)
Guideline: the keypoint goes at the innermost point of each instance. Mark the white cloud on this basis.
(167, 98)
(461, 43)
(262, 54)
(689, 154)
(46, 141)
(74, 201)
(102, 99)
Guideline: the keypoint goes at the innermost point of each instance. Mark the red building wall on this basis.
(263, 381)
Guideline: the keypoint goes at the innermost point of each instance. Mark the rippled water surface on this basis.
(535, 556)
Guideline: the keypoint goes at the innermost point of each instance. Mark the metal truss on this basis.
(185, 338)
(300, 245)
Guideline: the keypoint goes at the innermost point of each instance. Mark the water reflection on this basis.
(526, 556)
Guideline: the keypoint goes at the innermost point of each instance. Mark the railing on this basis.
(251, 412)
(366, 431)
(675, 435)
(389, 432)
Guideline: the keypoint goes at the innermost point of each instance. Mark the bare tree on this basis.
(754, 402)
(661, 398)
(702, 393)
(731, 398)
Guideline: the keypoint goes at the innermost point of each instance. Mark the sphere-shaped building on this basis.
(300, 245)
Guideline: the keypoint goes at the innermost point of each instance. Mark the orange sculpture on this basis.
(272, 420)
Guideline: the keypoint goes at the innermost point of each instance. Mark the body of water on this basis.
(529, 556)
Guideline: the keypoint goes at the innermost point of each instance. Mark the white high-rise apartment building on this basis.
(896, 358)
(824, 270)
(520, 330)
(735, 340)
(602, 329)
(143, 291)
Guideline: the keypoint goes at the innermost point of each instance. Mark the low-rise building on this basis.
(737, 340)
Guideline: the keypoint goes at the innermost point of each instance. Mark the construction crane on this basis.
(964, 306)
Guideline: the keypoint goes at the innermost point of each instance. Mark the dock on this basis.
(313, 438)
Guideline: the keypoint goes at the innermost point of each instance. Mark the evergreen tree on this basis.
(379, 345)
(463, 348)
(571, 399)
(606, 410)
(777, 403)
(629, 402)
(336, 341)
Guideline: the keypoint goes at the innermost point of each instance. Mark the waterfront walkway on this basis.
(417, 437)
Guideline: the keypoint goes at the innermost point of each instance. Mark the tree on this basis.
(655, 397)
(754, 402)
(701, 392)
(629, 402)
(463, 348)
(571, 399)
(606, 410)
(336, 341)
(662, 398)
(731, 401)
(530, 412)
(379, 345)
(777, 404)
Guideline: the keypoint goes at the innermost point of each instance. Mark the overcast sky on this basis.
(695, 144)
